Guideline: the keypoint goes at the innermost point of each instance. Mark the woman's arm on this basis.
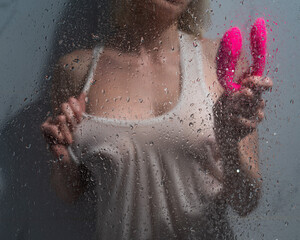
(67, 178)
(242, 178)
(236, 118)
(69, 77)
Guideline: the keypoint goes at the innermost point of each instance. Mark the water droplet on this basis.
(286, 223)
(48, 78)
(191, 124)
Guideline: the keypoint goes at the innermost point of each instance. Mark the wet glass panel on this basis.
(130, 119)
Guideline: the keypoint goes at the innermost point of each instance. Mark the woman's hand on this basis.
(238, 114)
(240, 109)
(58, 131)
(66, 177)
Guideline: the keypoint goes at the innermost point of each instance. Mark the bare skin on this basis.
(131, 84)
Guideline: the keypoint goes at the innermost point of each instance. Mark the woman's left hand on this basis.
(238, 114)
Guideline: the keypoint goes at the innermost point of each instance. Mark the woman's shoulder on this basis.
(75, 65)
(69, 75)
(210, 48)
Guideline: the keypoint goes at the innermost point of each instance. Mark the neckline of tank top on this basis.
(183, 39)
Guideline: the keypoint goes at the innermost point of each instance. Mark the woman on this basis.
(168, 150)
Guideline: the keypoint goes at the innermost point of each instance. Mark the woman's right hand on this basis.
(66, 176)
(58, 131)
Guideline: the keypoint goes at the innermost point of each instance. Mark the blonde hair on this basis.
(195, 20)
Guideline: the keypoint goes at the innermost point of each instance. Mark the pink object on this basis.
(229, 52)
(259, 46)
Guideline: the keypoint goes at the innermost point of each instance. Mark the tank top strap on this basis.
(200, 70)
(97, 51)
(193, 68)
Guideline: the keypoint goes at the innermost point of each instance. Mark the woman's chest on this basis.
(134, 92)
(185, 132)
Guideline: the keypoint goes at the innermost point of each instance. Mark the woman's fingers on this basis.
(57, 131)
(249, 103)
(70, 116)
(260, 115)
(63, 127)
(60, 152)
(74, 110)
(251, 123)
(247, 123)
(257, 83)
(245, 103)
(77, 108)
(52, 133)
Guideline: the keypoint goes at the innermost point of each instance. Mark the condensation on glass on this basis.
(153, 119)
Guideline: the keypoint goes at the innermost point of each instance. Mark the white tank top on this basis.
(157, 178)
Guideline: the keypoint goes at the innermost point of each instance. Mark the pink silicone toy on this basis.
(230, 50)
(259, 46)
